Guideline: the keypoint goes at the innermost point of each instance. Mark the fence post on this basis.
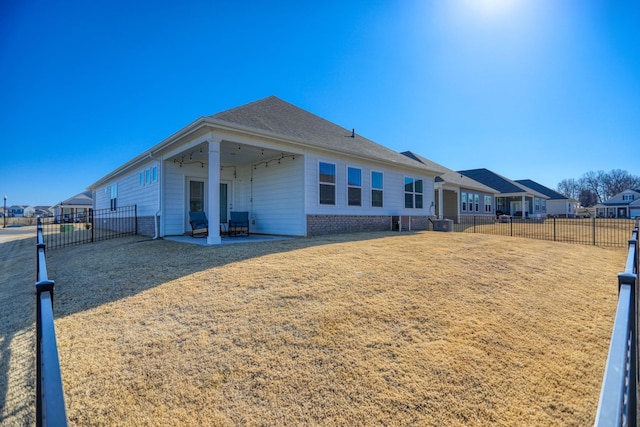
(93, 225)
(135, 218)
(474, 223)
(511, 224)
(594, 230)
(554, 228)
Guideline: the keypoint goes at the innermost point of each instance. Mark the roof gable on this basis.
(275, 116)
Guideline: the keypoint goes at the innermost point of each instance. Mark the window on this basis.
(154, 174)
(477, 202)
(413, 197)
(354, 186)
(376, 189)
(464, 201)
(147, 174)
(537, 205)
(327, 178)
(544, 205)
(487, 203)
(113, 191)
(627, 197)
(141, 178)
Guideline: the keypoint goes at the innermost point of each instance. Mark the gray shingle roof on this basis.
(451, 176)
(281, 118)
(552, 194)
(500, 183)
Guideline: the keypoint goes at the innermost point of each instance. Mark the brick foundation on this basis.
(318, 225)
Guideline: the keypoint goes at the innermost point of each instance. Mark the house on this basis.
(513, 198)
(43, 211)
(457, 195)
(558, 205)
(293, 172)
(16, 211)
(74, 209)
(623, 205)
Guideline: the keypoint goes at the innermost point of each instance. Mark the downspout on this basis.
(159, 211)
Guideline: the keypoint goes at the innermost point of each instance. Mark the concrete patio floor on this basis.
(252, 238)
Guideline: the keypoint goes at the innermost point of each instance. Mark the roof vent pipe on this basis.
(353, 133)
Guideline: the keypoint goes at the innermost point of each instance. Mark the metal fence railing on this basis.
(99, 224)
(586, 231)
(50, 409)
(618, 405)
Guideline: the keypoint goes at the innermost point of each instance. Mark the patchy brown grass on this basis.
(387, 329)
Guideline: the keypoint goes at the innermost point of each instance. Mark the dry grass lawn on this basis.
(428, 328)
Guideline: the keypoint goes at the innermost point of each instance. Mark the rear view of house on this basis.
(293, 172)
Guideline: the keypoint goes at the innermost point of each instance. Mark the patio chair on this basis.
(199, 224)
(238, 223)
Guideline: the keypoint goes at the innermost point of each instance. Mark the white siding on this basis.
(131, 192)
(393, 189)
(278, 198)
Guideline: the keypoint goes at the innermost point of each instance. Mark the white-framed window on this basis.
(113, 196)
(544, 205)
(354, 186)
(147, 176)
(537, 203)
(327, 180)
(627, 197)
(477, 202)
(376, 189)
(141, 178)
(154, 174)
(463, 198)
(413, 193)
(487, 203)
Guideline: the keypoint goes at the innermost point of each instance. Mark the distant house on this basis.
(623, 205)
(457, 195)
(558, 204)
(513, 198)
(74, 209)
(16, 211)
(43, 211)
(292, 172)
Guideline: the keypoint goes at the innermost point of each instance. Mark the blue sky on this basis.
(531, 89)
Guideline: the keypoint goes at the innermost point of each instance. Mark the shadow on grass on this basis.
(95, 274)
(17, 332)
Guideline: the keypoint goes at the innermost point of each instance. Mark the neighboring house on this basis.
(456, 195)
(28, 212)
(16, 211)
(558, 204)
(43, 211)
(513, 198)
(292, 171)
(623, 205)
(74, 209)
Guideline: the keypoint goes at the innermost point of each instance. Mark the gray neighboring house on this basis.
(456, 195)
(513, 198)
(623, 205)
(558, 204)
(74, 209)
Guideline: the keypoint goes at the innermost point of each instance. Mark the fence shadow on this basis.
(17, 332)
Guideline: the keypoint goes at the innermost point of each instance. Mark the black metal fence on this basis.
(618, 405)
(586, 231)
(99, 224)
(50, 409)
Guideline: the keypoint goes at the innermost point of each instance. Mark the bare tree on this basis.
(595, 187)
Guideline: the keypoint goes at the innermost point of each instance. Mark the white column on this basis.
(524, 207)
(213, 204)
(441, 203)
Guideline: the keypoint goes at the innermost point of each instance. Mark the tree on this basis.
(595, 187)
